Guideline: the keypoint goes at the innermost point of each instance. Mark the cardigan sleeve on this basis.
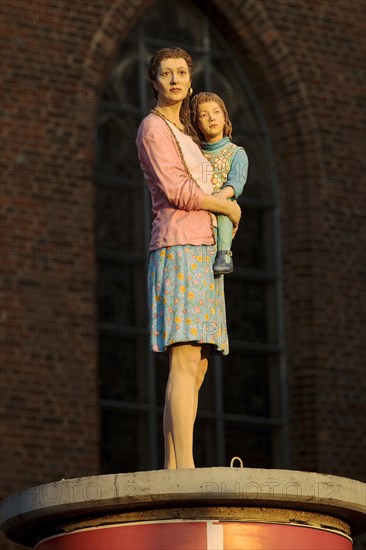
(237, 176)
(160, 157)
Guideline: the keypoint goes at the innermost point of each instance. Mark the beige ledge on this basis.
(210, 492)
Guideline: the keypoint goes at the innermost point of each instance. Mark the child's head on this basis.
(210, 117)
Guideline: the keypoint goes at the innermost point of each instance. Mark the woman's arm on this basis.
(159, 157)
(157, 150)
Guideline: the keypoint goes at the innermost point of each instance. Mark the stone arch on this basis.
(272, 69)
(103, 47)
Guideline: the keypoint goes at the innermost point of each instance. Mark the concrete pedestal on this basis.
(200, 509)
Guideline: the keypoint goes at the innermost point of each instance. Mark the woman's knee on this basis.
(203, 364)
(201, 372)
(185, 358)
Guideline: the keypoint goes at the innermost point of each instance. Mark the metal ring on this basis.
(233, 460)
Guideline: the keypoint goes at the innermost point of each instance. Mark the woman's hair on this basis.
(174, 53)
(203, 97)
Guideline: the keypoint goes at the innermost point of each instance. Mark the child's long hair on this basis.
(203, 97)
(174, 53)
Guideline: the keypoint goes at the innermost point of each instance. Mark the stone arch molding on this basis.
(103, 48)
(255, 27)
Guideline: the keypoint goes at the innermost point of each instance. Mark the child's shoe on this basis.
(223, 262)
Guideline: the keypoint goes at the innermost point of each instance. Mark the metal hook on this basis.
(233, 460)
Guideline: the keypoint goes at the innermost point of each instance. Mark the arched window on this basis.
(242, 408)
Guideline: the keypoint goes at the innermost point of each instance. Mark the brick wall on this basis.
(48, 315)
(305, 63)
(49, 335)
(49, 417)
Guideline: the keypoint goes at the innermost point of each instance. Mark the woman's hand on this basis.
(223, 206)
(225, 193)
(234, 214)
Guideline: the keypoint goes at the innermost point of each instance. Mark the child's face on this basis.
(211, 121)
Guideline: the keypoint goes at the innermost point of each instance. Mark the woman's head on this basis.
(208, 102)
(184, 60)
(164, 54)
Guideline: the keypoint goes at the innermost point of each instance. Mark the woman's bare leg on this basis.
(170, 462)
(201, 372)
(180, 405)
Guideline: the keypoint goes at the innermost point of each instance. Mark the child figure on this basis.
(230, 163)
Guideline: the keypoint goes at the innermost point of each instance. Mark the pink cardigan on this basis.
(176, 199)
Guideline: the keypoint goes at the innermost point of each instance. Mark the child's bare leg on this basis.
(223, 263)
(224, 232)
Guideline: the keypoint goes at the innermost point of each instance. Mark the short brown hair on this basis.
(203, 97)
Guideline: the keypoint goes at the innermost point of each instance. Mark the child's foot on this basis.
(223, 262)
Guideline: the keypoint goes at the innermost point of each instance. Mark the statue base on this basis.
(196, 509)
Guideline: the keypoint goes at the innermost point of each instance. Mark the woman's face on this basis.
(172, 81)
(211, 121)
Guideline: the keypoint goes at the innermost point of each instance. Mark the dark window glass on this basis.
(241, 404)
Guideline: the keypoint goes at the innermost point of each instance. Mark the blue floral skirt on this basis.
(186, 301)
